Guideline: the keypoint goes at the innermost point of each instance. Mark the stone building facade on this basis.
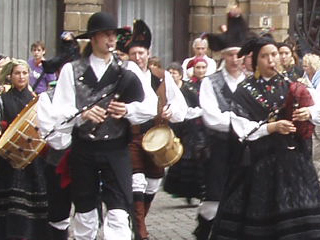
(204, 15)
(208, 15)
(77, 13)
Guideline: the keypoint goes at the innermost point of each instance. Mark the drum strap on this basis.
(1, 109)
(161, 93)
(1, 115)
(159, 86)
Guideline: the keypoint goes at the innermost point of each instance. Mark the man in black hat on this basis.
(160, 87)
(99, 86)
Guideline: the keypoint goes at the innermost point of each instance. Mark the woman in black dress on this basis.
(23, 205)
(272, 190)
(185, 178)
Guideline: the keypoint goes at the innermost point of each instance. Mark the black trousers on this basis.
(59, 199)
(89, 166)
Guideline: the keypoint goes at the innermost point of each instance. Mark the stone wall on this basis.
(77, 13)
(204, 16)
(261, 15)
(207, 16)
(265, 14)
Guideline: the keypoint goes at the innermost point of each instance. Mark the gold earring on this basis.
(257, 73)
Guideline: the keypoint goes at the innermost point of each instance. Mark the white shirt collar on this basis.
(99, 66)
(231, 81)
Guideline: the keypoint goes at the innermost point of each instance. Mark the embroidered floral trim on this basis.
(269, 88)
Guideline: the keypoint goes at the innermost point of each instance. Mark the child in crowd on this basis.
(39, 80)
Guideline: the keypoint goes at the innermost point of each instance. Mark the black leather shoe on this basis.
(202, 231)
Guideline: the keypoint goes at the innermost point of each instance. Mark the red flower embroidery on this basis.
(269, 88)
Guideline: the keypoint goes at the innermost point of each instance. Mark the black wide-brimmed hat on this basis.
(99, 21)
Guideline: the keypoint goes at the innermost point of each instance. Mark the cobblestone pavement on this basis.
(169, 219)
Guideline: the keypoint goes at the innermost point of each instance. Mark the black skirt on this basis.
(276, 196)
(23, 203)
(185, 179)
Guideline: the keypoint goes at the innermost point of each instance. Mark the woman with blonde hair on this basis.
(23, 205)
(311, 67)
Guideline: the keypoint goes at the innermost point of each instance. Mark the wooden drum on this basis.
(21, 143)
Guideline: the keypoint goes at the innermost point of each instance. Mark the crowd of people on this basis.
(249, 128)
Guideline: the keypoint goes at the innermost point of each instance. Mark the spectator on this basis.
(311, 66)
(289, 61)
(39, 80)
(200, 47)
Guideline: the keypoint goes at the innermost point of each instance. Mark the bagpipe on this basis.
(298, 96)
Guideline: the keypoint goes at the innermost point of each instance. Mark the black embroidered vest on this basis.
(224, 98)
(88, 90)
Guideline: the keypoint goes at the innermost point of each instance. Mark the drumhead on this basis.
(17, 122)
(156, 138)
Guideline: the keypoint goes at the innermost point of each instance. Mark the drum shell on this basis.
(171, 150)
(21, 143)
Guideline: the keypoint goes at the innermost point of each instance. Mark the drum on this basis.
(21, 142)
(163, 146)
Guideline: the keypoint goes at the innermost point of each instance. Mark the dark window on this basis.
(305, 22)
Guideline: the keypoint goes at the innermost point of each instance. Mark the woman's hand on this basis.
(301, 114)
(117, 109)
(282, 126)
(95, 114)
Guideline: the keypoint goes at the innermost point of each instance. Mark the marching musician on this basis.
(272, 190)
(216, 100)
(23, 204)
(147, 176)
(100, 134)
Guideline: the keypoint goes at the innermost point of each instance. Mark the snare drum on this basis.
(21, 142)
(163, 146)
